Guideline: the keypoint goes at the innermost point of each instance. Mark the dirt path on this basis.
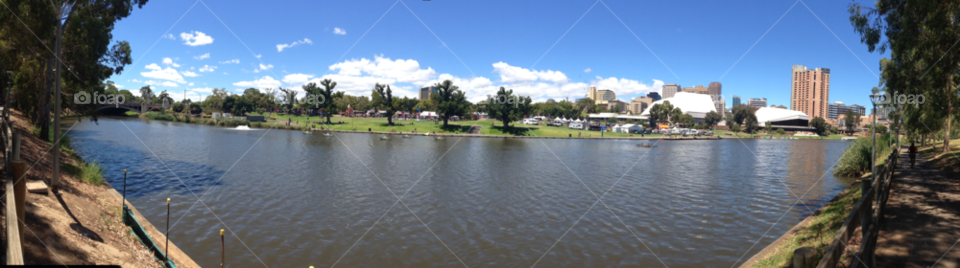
(922, 222)
(81, 225)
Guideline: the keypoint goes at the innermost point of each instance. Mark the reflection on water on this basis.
(297, 200)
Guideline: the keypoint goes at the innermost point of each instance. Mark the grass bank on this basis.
(948, 163)
(817, 231)
(856, 159)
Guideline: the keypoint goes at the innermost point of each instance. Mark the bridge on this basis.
(129, 106)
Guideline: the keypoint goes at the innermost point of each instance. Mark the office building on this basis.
(758, 102)
(602, 95)
(425, 92)
(810, 91)
(837, 108)
(669, 90)
(736, 100)
(638, 104)
(654, 95)
(715, 88)
(699, 89)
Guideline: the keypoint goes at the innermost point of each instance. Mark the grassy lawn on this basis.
(948, 163)
(818, 233)
(489, 127)
(722, 133)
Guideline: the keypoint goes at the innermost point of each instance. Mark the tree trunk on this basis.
(43, 110)
(946, 131)
(505, 122)
(328, 118)
(389, 119)
(445, 121)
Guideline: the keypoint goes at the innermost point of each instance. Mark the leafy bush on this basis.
(855, 160)
(159, 116)
(178, 107)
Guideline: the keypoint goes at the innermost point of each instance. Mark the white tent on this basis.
(428, 114)
(775, 115)
(697, 105)
(576, 125)
(615, 128)
(631, 128)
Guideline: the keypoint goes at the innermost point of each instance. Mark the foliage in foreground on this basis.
(855, 160)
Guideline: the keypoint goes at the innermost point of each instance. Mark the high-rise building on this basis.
(758, 102)
(837, 108)
(669, 90)
(736, 100)
(715, 88)
(810, 91)
(426, 91)
(653, 95)
(592, 94)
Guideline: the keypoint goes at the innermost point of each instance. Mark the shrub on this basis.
(92, 173)
(855, 160)
(159, 116)
(178, 107)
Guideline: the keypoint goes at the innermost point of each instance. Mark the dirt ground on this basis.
(81, 225)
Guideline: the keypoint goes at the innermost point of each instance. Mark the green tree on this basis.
(819, 125)
(327, 100)
(686, 120)
(146, 94)
(750, 124)
(507, 107)
(735, 128)
(851, 119)
(385, 101)
(675, 115)
(920, 36)
(768, 127)
(712, 118)
(450, 101)
(780, 131)
(741, 112)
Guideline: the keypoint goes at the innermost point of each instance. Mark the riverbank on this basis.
(816, 231)
(81, 225)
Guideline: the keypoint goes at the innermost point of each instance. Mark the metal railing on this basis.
(867, 215)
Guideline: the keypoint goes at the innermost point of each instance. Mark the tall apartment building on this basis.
(837, 108)
(736, 100)
(715, 88)
(426, 91)
(758, 102)
(669, 90)
(810, 91)
(592, 93)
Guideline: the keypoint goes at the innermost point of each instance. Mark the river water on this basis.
(289, 199)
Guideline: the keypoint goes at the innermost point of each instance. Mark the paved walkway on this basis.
(922, 223)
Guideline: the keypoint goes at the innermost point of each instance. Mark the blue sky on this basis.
(192, 46)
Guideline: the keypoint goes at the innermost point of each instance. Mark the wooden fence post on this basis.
(804, 257)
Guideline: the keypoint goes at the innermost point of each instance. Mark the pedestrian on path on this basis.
(913, 154)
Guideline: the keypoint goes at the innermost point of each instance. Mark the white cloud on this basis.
(225, 73)
(204, 56)
(518, 74)
(587, 70)
(233, 61)
(207, 68)
(281, 47)
(191, 84)
(165, 74)
(136, 80)
(265, 82)
(266, 67)
(339, 31)
(358, 76)
(161, 83)
(169, 61)
(196, 38)
(170, 36)
(118, 86)
(189, 74)
(258, 56)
